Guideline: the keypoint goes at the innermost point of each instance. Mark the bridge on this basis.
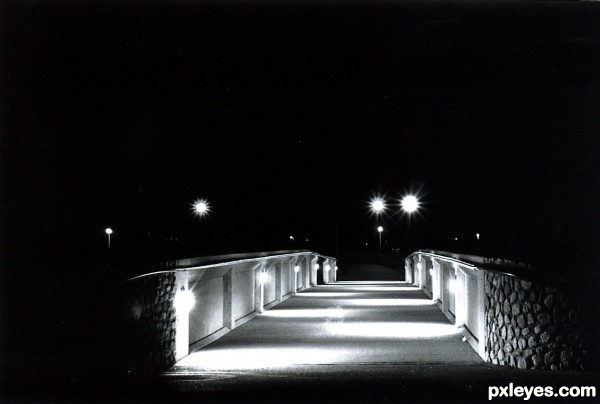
(261, 326)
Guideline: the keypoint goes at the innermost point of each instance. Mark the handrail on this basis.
(234, 262)
(474, 262)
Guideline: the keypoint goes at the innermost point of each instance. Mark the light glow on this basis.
(380, 229)
(477, 235)
(453, 285)
(316, 267)
(419, 266)
(377, 205)
(399, 330)
(410, 204)
(297, 268)
(263, 278)
(108, 231)
(200, 207)
(184, 301)
(305, 313)
(327, 267)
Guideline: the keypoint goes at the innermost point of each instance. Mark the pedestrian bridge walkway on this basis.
(344, 323)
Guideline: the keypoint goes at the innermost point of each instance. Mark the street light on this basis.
(410, 204)
(377, 205)
(380, 230)
(108, 232)
(200, 207)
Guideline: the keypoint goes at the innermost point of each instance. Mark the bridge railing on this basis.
(179, 310)
(507, 317)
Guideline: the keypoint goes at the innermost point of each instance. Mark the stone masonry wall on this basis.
(530, 326)
(153, 321)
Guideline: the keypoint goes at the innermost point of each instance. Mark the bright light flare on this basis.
(263, 278)
(410, 203)
(419, 266)
(379, 229)
(327, 267)
(297, 268)
(316, 267)
(184, 301)
(201, 207)
(108, 231)
(377, 205)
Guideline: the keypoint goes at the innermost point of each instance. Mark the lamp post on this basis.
(380, 230)
(108, 232)
(201, 207)
(296, 270)
(410, 204)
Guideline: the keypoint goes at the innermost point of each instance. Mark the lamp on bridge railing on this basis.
(296, 270)
(316, 267)
(184, 301)
(327, 267)
(377, 205)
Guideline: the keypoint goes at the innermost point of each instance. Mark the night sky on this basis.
(288, 119)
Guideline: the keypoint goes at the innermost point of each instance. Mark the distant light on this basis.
(410, 204)
(263, 278)
(380, 229)
(292, 238)
(297, 268)
(366, 243)
(477, 235)
(431, 271)
(108, 231)
(307, 240)
(184, 301)
(377, 205)
(420, 266)
(316, 267)
(327, 267)
(336, 267)
(455, 238)
(201, 207)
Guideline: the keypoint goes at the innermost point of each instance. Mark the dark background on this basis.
(288, 118)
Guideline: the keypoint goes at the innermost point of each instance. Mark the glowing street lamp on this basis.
(200, 207)
(377, 205)
(410, 204)
(108, 232)
(296, 270)
(380, 230)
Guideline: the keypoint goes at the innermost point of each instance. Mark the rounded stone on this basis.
(530, 319)
(549, 357)
(537, 308)
(508, 348)
(526, 285)
(529, 353)
(549, 301)
(516, 309)
(506, 306)
(531, 342)
(524, 363)
(526, 331)
(543, 318)
(500, 355)
(503, 332)
(513, 297)
(545, 337)
(525, 307)
(522, 343)
(565, 357)
(573, 316)
(537, 360)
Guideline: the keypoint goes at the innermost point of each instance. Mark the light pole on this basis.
(410, 204)
(380, 230)
(108, 232)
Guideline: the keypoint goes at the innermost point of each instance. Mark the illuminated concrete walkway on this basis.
(339, 324)
(352, 341)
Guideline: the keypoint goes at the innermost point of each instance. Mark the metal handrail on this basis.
(234, 262)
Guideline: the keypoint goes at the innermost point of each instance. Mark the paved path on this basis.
(354, 341)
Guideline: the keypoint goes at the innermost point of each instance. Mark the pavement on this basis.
(358, 340)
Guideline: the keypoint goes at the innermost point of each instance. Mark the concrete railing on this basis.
(177, 311)
(506, 318)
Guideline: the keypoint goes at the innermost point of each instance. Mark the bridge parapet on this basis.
(176, 311)
(508, 319)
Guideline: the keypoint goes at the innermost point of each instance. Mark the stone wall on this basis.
(530, 326)
(152, 320)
